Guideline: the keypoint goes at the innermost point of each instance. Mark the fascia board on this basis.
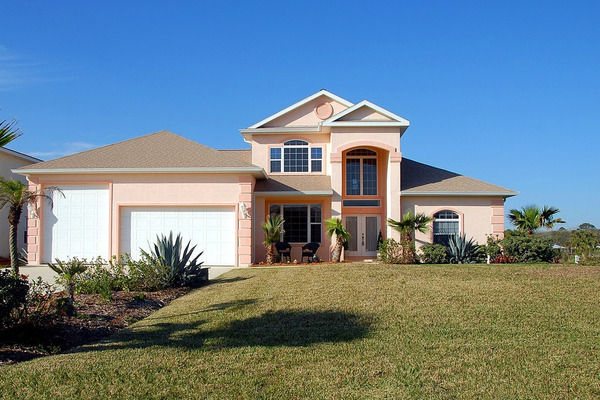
(22, 156)
(366, 123)
(300, 103)
(63, 171)
(295, 193)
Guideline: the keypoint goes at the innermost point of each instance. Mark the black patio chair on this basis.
(309, 250)
(284, 250)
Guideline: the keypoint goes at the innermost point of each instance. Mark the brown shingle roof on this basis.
(294, 183)
(158, 150)
(423, 178)
(244, 155)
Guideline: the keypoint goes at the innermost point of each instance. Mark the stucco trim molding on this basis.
(395, 156)
(460, 194)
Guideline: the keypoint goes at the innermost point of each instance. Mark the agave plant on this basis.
(461, 250)
(185, 270)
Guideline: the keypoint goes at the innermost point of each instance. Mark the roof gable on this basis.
(366, 113)
(303, 113)
(160, 151)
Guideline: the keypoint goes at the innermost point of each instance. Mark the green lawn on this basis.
(348, 331)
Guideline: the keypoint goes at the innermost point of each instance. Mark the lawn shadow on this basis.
(297, 328)
(220, 281)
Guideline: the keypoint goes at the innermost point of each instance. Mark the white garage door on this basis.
(77, 225)
(211, 228)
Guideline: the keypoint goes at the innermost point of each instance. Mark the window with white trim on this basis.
(302, 222)
(361, 173)
(296, 156)
(446, 223)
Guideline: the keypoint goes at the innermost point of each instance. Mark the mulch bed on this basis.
(95, 319)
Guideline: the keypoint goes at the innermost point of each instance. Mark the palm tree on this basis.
(531, 218)
(8, 131)
(420, 222)
(15, 195)
(273, 229)
(409, 224)
(335, 228)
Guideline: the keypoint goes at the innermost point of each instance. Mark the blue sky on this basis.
(503, 91)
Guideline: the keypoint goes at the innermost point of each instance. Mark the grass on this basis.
(350, 331)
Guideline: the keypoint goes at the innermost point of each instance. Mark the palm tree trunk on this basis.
(337, 250)
(14, 214)
(270, 255)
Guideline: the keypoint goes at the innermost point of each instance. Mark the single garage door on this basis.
(211, 228)
(77, 224)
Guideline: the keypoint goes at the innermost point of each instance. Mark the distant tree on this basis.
(586, 226)
(8, 131)
(531, 218)
(585, 241)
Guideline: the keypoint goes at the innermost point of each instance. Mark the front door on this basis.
(364, 230)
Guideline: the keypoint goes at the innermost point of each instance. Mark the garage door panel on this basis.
(212, 229)
(78, 224)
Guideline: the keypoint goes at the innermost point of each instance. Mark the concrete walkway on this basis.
(34, 271)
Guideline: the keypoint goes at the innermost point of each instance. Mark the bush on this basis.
(433, 254)
(528, 248)
(492, 248)
(13, 297)
(394, 252)
(147, 274)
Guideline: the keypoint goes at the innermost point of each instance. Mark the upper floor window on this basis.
(446, 223)
(361, 173)
(296, 156)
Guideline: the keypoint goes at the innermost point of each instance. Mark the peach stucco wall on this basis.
(305, 115)
(160, 190)
(480, 216)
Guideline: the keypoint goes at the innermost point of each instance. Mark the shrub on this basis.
(146, 274)
(38, 305)
(463, 251)
(13, 297)
(503, 259)
(528, 248)
(394, 252)
(492, 248)
(433, 254)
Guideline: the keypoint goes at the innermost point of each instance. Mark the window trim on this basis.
(282, 158)
(309, 223)
(361, 171)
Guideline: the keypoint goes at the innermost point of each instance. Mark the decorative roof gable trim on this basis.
(397, 120)
(321, 92)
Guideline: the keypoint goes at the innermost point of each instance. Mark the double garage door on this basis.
(78, 226)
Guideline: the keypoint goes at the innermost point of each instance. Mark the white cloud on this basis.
(65, 150)
(16, 72)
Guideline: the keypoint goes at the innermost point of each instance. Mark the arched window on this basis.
(297, 156)
(446, 223)
(361, 173)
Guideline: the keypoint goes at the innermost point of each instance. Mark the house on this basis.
(9, 160)
(321, 157)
